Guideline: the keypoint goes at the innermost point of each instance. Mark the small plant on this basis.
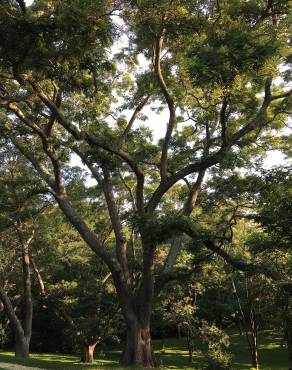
(216, 356)
(3, 336)
(101, 354)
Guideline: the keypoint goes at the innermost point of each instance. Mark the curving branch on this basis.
(91, 139)
(66, 206)
(171, 107)
(214, 158)
(247, 266)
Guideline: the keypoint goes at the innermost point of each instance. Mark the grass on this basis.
(171, 354)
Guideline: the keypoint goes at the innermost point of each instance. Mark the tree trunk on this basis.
(254, 352)
(87, 353)
(138, 349)
(255, 360)
(190, 348)
(137, 311)
(288, 337)
(21, 345)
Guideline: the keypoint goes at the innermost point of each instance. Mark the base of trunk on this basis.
(21, 348)
(138, 350)
(87, 353)
(255, 361)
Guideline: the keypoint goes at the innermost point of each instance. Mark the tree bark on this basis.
(137, 309)
(254, 342)
(87, 353)
(21, 340)
(255, 359)
(21, 345)
(138, 349)
(176, 242)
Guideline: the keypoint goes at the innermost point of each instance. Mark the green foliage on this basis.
(56, 39)
(217, 58)
(217, 342)
(3, 336)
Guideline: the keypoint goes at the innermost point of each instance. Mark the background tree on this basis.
(19, 213)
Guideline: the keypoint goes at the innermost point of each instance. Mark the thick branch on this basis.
(212, 159)
(41, 169)
(16, 324)
(76, 220)
(282, 96)
(93, 140)
(191, 168)
(177, 240)
(247, 266)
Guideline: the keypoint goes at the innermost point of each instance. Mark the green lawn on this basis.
(171, 354)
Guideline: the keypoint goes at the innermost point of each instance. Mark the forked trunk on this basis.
(87, 353)
(21, 346)
(138, 350)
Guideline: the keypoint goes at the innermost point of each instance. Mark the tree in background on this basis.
(73, 285)
(20, 208)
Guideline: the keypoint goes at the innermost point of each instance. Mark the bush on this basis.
(216, 356)
(3, 336)
(218, 360)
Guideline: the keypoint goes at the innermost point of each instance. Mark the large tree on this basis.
(211, 64)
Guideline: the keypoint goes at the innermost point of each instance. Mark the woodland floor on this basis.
(171, 354)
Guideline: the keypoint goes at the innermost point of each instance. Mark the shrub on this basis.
(216, 356)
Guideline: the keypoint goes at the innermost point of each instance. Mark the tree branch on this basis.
(171, 107)
(91, 139)
(133, 118)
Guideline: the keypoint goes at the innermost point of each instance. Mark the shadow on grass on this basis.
(171, 354)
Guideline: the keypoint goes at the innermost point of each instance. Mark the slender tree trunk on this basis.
(255, 358)
(190, 347)
(254, 339)
(28, 304)
(288, 336)
(22, 330)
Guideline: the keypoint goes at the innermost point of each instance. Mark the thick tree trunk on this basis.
(138, 349)
(87, 353)
(21, 345)
(137, 312)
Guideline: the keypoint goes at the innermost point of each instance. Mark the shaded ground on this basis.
(17, 367)
(171, 354)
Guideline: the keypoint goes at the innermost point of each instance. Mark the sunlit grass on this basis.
(171, 354)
